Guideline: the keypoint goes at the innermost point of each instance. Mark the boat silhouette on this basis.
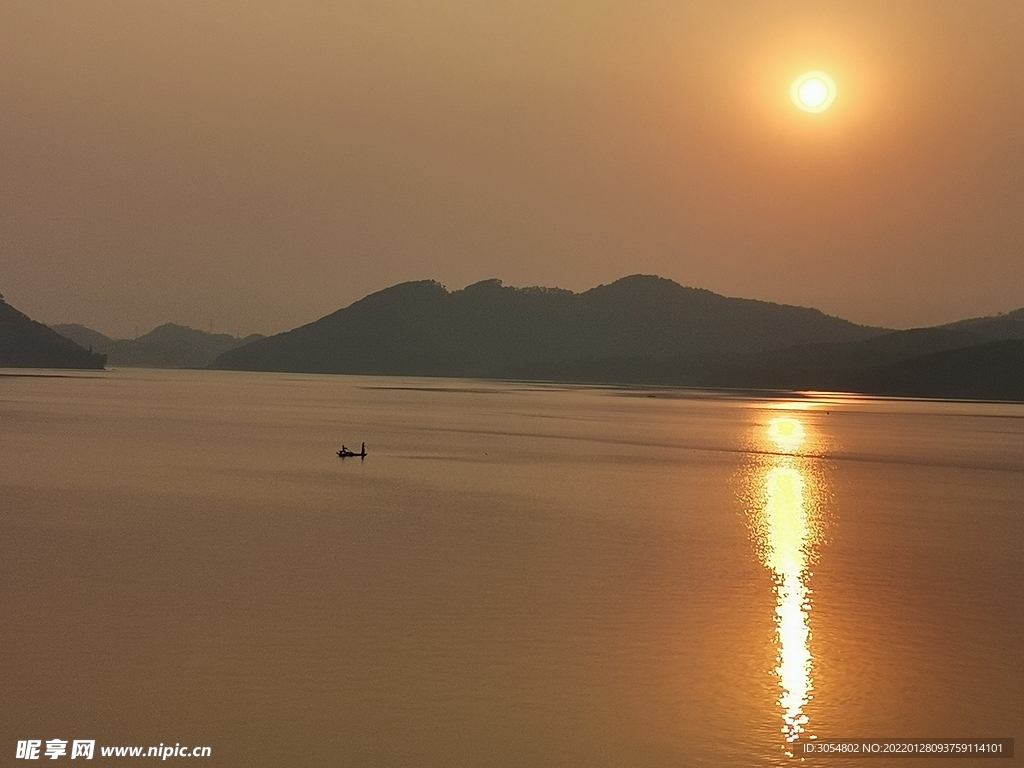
(345, 452)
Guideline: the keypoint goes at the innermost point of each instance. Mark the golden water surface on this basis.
(516, 576)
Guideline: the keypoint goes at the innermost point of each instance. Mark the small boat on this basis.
(345, 452)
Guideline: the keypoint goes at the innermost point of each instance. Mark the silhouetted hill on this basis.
(174, 346)
(830, 366)
(995, 327)
(85, 337)
(489, 330)
(24, 343)
(992, 371)
(923, 362)
(167, 346)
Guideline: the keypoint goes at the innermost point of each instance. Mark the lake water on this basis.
(516, 575)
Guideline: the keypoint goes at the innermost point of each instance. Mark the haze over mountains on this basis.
(167, 346)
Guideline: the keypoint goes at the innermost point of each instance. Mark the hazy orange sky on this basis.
(260, 164)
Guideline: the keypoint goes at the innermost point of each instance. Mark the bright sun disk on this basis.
(813, 91)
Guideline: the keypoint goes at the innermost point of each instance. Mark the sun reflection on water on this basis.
(786, 433)
(787, 530)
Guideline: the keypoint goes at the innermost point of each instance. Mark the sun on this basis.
(813, 91)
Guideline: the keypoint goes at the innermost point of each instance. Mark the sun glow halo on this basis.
(813, 91)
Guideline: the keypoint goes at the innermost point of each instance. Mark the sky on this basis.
(250, 166)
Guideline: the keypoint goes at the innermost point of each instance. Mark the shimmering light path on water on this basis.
(516, 575)
(787, 529)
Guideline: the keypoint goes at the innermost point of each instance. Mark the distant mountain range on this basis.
(489, 330)
(24, 343)
(641, 330)
(638, 330)
(167, 346)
